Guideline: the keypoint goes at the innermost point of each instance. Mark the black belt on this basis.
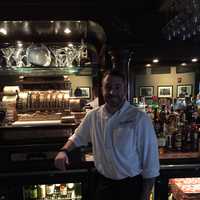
(134, 178)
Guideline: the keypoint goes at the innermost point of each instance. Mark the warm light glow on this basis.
(70, 45)
(183, 64)
(19, 44)
(70, 185)
(70, 66)
(194, 59)
(65, 77)
(155, 60)
(67, 31)
(148, 65)
(3, 31)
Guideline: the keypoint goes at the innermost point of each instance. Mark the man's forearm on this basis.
(147, 188)
(69, 145)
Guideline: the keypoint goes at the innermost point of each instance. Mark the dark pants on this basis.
(108, 189)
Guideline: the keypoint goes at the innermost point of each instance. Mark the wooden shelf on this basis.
(179, 155)
(40, 82)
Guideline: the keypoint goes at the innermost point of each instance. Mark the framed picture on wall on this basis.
(146, 91)
(184, 90)
(165, 91)
(85, 92)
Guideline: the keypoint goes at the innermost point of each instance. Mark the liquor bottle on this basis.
(188, 112)
(162, 115)
(78, 191)
(50, 191)
(195, 141)
(169, 142)
(33, 192)
(178, 136)
(57, 191)
(156, 123)
(199, 141)
(162, 141)
(63, 190)
(70, 191)
(41, 190)
(188, 139)
(172, 121)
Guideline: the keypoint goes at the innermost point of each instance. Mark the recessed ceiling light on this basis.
(183, 64)
(3, 31)
(148, 65)
(155, 60)
(67, 31)
(194, 59)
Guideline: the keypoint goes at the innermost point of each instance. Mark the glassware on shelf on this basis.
(58, 191)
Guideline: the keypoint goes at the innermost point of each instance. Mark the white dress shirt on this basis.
(124, 144)
(94, 103)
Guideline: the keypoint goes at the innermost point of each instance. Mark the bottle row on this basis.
(177, 125)
(61, 191)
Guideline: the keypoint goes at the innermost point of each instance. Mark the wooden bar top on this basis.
(168, 158)
(179, 155)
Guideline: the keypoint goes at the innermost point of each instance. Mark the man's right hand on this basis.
(61, 160)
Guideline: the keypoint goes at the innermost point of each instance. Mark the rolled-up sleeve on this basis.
(81, 135)
(147, 148)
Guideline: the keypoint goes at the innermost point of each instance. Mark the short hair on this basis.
(114, 72)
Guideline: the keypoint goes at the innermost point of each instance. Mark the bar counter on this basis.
(41, 169)
(172, 165)
(30, 133)
(28, 151)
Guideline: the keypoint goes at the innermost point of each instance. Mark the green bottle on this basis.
(33, 192)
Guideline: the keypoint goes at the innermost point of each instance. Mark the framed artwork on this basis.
(146, 91)
(165, 91)
(85, 92)
(184, 90)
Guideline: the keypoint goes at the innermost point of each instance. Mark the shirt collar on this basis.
(124, 107)
(121, 110)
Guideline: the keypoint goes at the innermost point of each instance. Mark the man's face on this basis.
(113, 90)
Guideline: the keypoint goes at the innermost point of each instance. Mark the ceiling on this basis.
(137, 25)
(51, 32)
(125, 23)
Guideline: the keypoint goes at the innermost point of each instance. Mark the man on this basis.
(124, 144)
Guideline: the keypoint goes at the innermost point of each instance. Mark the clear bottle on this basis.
(50, 191)
(70, 191)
